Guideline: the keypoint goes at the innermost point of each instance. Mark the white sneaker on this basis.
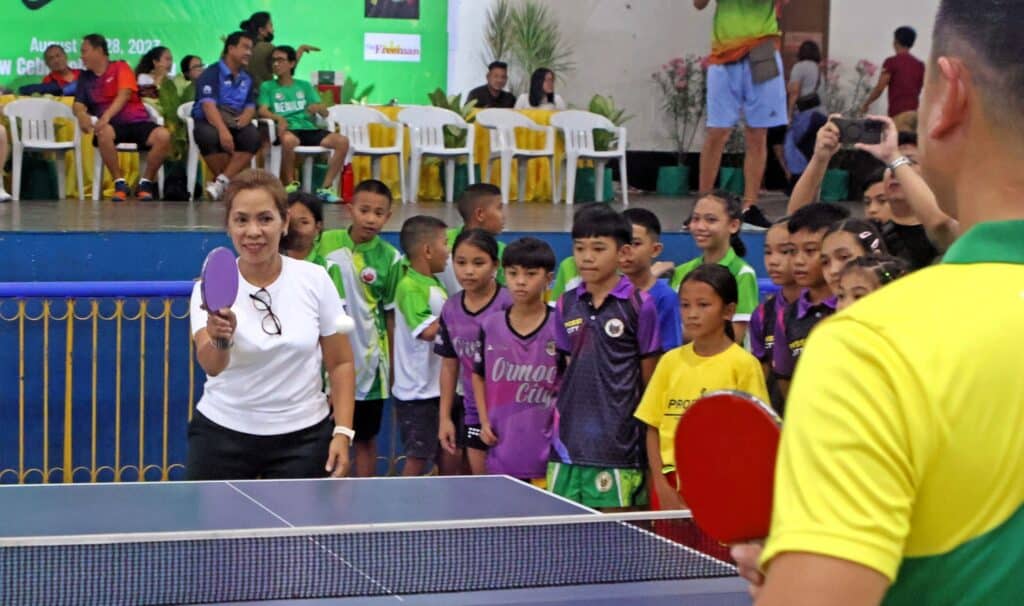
(4, 196)
(215, 189)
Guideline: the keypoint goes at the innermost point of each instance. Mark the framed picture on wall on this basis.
(392, 9)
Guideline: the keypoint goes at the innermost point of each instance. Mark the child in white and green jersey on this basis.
(420, 296)
(370, 269)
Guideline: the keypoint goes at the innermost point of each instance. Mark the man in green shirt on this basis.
(293, 105)
(744, 79)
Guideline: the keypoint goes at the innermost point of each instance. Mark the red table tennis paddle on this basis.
(725, 447)
(219, 283)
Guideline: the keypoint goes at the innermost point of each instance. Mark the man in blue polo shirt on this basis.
(224, 108)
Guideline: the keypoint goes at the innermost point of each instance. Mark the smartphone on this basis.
(859, 131)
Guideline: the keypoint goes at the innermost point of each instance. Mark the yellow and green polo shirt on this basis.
(903, 448)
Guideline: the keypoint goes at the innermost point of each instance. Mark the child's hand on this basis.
(446, 435)
(661, 268)
(487, 435)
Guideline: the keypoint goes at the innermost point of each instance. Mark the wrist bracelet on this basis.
(898, 162)
(344, 431)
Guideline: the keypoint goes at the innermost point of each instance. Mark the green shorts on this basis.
(598, 487)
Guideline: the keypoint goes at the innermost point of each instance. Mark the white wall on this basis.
(618, 44)
(862, 29)
(466, 68)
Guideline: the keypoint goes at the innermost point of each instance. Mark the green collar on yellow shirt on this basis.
(994, 242)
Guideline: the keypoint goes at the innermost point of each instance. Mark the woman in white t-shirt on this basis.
(542, 92)
(264, 413)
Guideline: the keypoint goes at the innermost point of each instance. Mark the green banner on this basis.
(404, 59)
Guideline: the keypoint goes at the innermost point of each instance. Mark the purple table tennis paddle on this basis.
(219, 283)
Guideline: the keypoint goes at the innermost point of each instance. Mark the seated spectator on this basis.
(191, 68)
(107, 92)
(60, 73)
(493, 94)
(152, 71)
(542, 92)
(224, 108)
(294, 105)
(903, 75)
(260, 28)
(4, 196)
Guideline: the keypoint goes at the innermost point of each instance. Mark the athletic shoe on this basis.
(754, 216)
(215, 189)
(292, 187)
(121, 191)
(4, 196)
(145, 191)
(328, 195)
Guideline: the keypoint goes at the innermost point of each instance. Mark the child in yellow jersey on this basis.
(711, 361)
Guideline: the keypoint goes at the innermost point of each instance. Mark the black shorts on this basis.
(777, 135)
(218, 453)
(136, 132)
(459, 419)
(366, 420)
(473, 438)
(418, 424)
(310, 138)
(246, 139)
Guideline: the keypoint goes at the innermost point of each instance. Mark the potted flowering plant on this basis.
(836, 185)
(683, 86)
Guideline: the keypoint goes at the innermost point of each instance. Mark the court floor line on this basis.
(318, 544)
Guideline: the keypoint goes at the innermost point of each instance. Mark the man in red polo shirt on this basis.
(60, 73)
(903, 75)
(108, 91)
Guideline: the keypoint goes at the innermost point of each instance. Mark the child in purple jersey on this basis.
(515, 378)
(475, 259)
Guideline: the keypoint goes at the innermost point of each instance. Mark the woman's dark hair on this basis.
(312, 203)
(288, 52)
(185, 63)
(885, 268)
(734, 210)
(537, 94)
(253, 24)
(864, 232)
(480, 239)
(809, 51)
(148, 61)
(721, 280)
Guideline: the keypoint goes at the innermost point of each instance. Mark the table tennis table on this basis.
(54, 538)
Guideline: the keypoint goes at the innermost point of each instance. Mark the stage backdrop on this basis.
(403, 58)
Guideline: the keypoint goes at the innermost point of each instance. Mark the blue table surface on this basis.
(77, 509)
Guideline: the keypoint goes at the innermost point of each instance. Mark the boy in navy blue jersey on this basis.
(816, 302)
(607, 330)
(636, 265)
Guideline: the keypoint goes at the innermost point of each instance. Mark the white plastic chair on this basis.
(192, 161)
(578, 129)
(33, 128)
(354, 122)
(426, 138)
(502, 125)
(97, 168)
(309, 151)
